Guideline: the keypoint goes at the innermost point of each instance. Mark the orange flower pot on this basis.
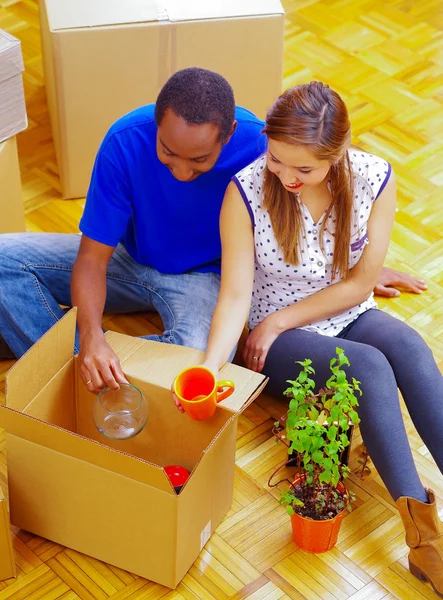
(316, 536)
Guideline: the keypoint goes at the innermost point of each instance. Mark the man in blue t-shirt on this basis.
(150, 229)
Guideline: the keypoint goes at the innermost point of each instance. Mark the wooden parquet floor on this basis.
(386, 59)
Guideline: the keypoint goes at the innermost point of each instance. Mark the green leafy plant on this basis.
(316, 428)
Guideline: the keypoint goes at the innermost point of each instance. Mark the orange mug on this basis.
(198, 392)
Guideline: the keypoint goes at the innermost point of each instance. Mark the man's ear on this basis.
(231, 133)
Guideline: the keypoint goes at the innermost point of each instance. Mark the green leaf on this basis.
(327, 464)
(328, 404)
(305, 440)
(302, 377)
(291, 421)
(343, 422)
(313, 414)
(317, 442)
(317, 456)
(344, 440)
(325, 477)
(332, 449)
(341, 376)
(332, 433)
(334, 413)
(354, 417)
(297, 445)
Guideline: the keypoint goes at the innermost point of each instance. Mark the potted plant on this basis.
(316, 429)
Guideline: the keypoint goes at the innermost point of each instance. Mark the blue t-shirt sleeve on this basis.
(108, 203)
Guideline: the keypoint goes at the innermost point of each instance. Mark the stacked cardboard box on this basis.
(112, 499)
(103, 58)
(12, 120)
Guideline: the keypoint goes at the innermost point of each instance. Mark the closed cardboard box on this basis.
(112, 499)
(12, 217)
(103, 58)
(7, 564)
(12, 99)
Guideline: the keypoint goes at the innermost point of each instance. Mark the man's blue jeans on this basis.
(35, 273)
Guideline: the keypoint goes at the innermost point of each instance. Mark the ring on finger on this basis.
(255, 358)
(88, 382)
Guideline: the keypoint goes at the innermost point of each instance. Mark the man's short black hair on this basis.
(198, 96)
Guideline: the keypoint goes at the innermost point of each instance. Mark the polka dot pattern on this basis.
(278, 284)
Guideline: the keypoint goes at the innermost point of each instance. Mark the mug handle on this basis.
(226, 383)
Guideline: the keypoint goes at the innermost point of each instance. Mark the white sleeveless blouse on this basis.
(278, 284)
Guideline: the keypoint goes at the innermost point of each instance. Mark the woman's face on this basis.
(296, 166)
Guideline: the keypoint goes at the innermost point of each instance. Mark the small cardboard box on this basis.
(12, 215)
(112, 499)
(104, 58)
(7, 563)
(12, 98)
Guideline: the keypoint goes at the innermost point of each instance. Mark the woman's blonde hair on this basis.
(314, 116)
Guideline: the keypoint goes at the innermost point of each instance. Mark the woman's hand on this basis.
(259, 341)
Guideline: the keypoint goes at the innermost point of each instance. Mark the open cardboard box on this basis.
(112, 499)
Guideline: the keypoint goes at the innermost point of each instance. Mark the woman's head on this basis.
(309, 134)
(308, 131)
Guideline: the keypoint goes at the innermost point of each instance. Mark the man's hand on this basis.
(99, 365)
(390, 279)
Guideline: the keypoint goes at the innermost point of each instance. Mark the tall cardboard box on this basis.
(103, 58)
(12, 215)
(7, 563)
(112, 499)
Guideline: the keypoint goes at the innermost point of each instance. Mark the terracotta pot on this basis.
(316, 536)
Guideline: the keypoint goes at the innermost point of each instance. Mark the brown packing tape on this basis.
(163, 52)
(167, 52)
(173, 37)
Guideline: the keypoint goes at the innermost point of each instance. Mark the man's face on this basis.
(187, 150)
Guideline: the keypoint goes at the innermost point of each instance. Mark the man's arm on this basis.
(98, 363)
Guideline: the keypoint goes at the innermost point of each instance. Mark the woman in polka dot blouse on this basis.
(305, 230)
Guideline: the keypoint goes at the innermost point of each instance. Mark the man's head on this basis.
(195, 115)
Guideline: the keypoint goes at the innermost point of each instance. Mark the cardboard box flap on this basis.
(77, 446)
(41, 362)
(11, 59)
(72, 14)
(138, 359)
(236, 407)
(181, 10)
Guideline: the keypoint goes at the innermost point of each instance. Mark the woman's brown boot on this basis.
(424, 536)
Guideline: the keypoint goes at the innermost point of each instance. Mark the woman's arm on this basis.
(237, 278)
